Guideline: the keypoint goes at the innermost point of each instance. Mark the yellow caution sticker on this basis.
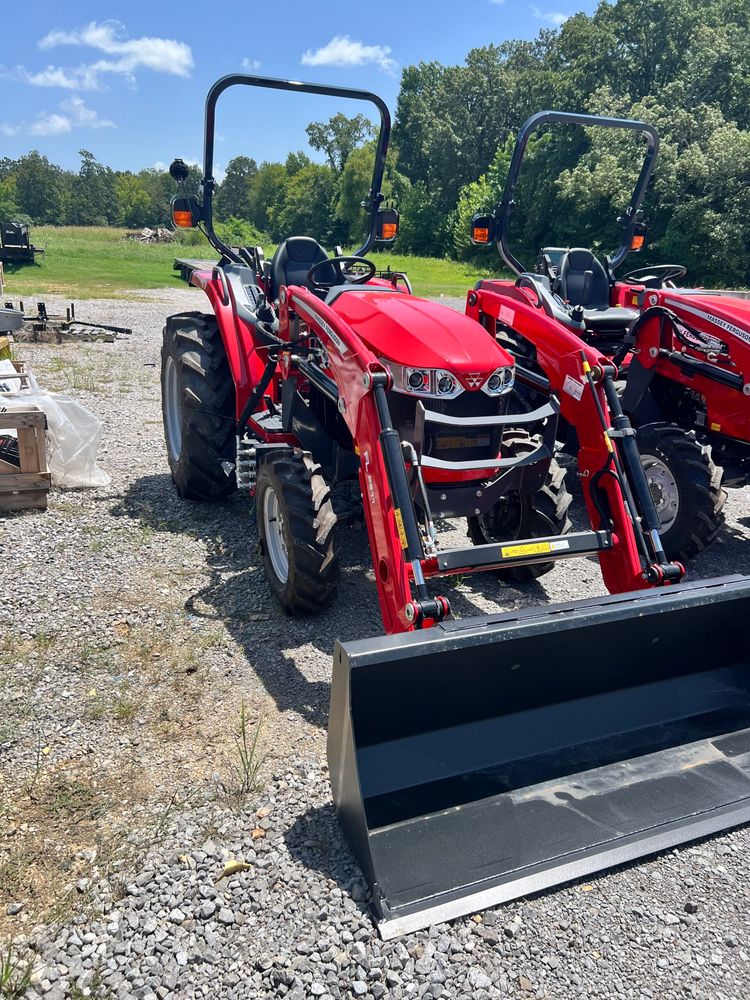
(715, 427)
(527, 549)
(400, 526)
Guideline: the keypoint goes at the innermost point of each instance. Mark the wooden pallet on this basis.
(25, 488)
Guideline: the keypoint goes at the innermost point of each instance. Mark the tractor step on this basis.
(523, 552)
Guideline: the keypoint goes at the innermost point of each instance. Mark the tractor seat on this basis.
(582, 281)
(293, 259)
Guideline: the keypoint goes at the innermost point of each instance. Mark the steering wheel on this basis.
(348, 276)
(657, 276)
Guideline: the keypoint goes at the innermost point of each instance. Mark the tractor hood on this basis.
(416, 332)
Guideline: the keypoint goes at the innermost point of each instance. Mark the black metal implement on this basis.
(488, 758)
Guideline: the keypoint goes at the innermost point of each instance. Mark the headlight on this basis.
(432, 382)
(500, 381)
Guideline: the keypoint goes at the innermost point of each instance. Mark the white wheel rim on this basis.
(172, 409)
(664, 490)
(273, 523)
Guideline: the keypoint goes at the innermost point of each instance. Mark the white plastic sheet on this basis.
(73, 434)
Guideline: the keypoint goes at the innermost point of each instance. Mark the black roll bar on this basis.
(505, 208)
(208, 183)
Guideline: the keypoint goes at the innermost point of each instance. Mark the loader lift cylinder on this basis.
(648, 513)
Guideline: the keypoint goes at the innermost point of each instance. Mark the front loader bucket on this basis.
(488, 758)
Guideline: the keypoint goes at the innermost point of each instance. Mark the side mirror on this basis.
(638, 239)
(186, 211)
(482, 231)
(386, 229)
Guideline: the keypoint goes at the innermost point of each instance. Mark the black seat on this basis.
(582, 281)
(294, 258)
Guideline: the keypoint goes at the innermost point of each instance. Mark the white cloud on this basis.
(81, 78)
(344, 51)
(555, 18)
(75, 115)
(161, 55)
(252, 65)
(84, 117)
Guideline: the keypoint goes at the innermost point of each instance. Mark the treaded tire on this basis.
(532, 515)
(701, 499)
(308, 522)
(198, 407)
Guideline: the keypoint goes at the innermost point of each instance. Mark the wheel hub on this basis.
(664, 490)
(273, 522)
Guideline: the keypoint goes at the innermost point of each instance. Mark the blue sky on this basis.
(128, 82)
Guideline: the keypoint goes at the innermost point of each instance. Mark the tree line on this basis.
(681, 65)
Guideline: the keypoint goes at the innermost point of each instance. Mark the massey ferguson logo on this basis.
(473, 379)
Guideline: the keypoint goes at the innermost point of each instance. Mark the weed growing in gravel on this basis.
(39, 761)
(69, 799)
(16, 871)
(125, 707)
(247, 771)
(15, 974)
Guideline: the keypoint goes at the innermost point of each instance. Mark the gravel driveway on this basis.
(136, 633)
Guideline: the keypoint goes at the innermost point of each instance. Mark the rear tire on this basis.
(525, 515)
(296, 528)
(686, 487)
(198, 407)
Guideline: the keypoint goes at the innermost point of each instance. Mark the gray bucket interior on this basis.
(485, 757)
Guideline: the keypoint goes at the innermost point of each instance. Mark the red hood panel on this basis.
(416, 332)
(726, 306)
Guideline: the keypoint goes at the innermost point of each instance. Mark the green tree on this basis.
(354, 186)
(267, 193)
(306, 206)
(134, 203)
(338, 137)
(40, 188)
(296, 161)
(233, 194)
(8, 204)
(93, 201)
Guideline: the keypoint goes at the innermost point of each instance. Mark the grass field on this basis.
(87, 263)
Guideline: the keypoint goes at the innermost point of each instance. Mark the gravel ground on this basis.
(135, 633)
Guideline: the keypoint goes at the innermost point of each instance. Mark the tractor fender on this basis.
(245, 364)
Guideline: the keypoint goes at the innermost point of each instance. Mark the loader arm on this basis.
(355, 371)
(560, 354)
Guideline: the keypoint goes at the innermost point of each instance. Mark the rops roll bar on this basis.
(208, 183)
(505, 208)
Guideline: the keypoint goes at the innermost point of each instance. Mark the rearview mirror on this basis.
(482, 231)
(186, 211)
(386, 228)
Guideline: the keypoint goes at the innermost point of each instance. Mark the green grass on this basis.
(96, 262)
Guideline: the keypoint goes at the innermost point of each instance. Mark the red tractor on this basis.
(685, 391)
(328, 391)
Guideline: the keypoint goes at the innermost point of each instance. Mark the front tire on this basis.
(198, 407)
(686, 488)
(296, 527)
(520, 515)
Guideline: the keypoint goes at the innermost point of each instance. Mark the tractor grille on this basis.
(445, 443)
